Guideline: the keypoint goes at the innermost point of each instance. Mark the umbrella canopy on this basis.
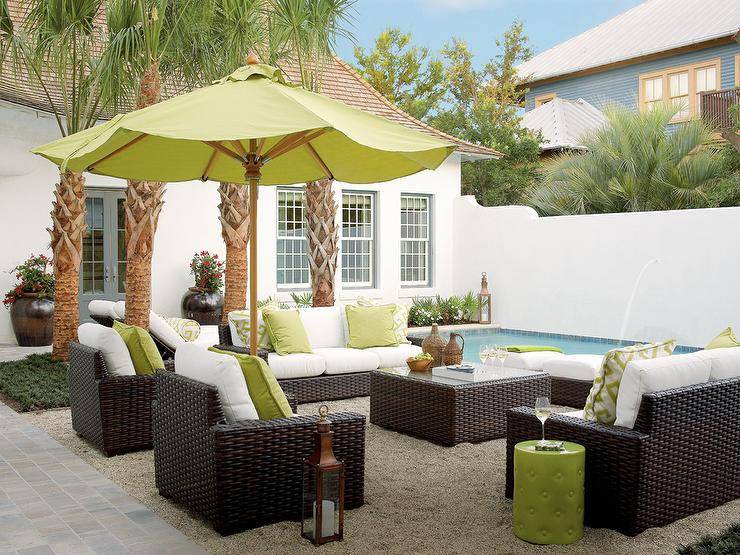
(249, 127)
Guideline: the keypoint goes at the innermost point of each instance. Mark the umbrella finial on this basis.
(252, 59)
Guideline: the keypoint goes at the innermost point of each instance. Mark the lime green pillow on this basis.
(141, 348)
(371, 326)
(725, 339)
(267, 395)
(286, 332)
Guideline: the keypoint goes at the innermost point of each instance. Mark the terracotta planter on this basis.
(33, 320)
(202, 306)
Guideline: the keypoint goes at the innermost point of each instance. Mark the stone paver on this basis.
(53, 503)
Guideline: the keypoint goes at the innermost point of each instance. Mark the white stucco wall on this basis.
(189, 220)
(575, 274)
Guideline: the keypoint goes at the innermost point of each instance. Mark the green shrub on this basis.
(426, 311)
(35, 382)
(303, 300)
(726, 543)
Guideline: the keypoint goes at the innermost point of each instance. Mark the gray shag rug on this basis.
(420, 498)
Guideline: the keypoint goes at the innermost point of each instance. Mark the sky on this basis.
(479, 22)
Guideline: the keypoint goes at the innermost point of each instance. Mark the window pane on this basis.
(292, 245)
(415, 240)
(358, 239)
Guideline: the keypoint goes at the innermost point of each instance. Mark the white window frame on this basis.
(297, 240)
(428, 242)
(372, 240)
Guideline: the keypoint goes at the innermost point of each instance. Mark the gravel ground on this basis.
(419, 498)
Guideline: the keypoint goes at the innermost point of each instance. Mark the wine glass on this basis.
(501, 354)
(484, 352)
(542, 410)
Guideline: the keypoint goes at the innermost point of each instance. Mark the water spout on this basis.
(628, 311)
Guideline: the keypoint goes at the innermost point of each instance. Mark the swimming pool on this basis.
(570, 344)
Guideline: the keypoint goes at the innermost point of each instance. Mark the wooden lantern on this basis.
(484, 301)
(323, 488)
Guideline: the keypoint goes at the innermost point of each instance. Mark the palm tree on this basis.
(635, 162)
(54, 47)
(310, 30)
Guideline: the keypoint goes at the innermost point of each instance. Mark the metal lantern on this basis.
(484, 301)
(322, 518)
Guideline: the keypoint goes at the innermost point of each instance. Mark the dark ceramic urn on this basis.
(32, 320)
(202, 306)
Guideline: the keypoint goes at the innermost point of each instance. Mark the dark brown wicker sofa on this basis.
(242, 475)
(311, 390)
(682, 457)
(114, 413)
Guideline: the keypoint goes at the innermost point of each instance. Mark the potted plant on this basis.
(204, 302)
(31, 303)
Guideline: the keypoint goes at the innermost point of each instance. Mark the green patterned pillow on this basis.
(400, 317)
(239, 322)
(189, 330)
(601, 404)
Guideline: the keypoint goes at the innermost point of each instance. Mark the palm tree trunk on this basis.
(68, 228)
(234, 209)
(143, 205)
(323, 240)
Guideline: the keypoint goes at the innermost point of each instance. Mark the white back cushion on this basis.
(725, 362)
(111, 345)
(157, 326)
(657, 374)
(323, 326)
(101, 307)
(221, 371)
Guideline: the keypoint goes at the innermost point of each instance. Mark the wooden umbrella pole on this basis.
(252, 169)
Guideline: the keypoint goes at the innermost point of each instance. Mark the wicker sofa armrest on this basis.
(614, 462)
(415, 340)
(262, 353)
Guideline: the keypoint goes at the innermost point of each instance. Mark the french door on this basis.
(103, 268)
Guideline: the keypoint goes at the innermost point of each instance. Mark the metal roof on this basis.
(563, 122)
(649, 28)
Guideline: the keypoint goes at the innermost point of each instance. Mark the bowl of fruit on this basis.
(420, 363)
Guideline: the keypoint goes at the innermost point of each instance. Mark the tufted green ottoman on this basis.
(548, 493)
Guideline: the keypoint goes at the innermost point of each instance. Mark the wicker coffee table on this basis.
(447, 411)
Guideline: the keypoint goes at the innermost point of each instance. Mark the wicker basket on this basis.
(434, 345)
(453, 353)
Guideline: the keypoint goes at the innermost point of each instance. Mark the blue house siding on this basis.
(622, 84)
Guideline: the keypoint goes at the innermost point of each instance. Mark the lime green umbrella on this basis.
(250, 127)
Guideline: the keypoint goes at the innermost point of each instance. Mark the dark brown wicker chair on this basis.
(243, 475)
(114, 413)
(682, 457)
(568, 392)
(309, 390)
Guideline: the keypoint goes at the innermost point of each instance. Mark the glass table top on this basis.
(483, 373)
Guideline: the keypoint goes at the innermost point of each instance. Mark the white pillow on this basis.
(725, 362)
(323, 326)
(221, 371)
(111, 345)
(101, 307)
(157, 326)
(657, 374)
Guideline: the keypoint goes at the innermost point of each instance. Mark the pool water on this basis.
(570, 344)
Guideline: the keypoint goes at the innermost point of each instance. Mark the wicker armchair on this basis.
(166, 352)
(308, 390)
(243, 475)
(114, 413)
(682, 457)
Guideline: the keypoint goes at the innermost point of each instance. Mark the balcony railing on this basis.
(715, 107)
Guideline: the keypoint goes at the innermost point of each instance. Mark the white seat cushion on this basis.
(109, 342)
(221, 371)
(575, 367)
(208, 336)
(158, 327)
(657, 374)
(574, 414)
(101, 307)
(394, 356)
(343, 360)
(297, 365)
(531, 361)
(725, 362)
(323, 326)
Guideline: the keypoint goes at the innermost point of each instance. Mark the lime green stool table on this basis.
(548, 493)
